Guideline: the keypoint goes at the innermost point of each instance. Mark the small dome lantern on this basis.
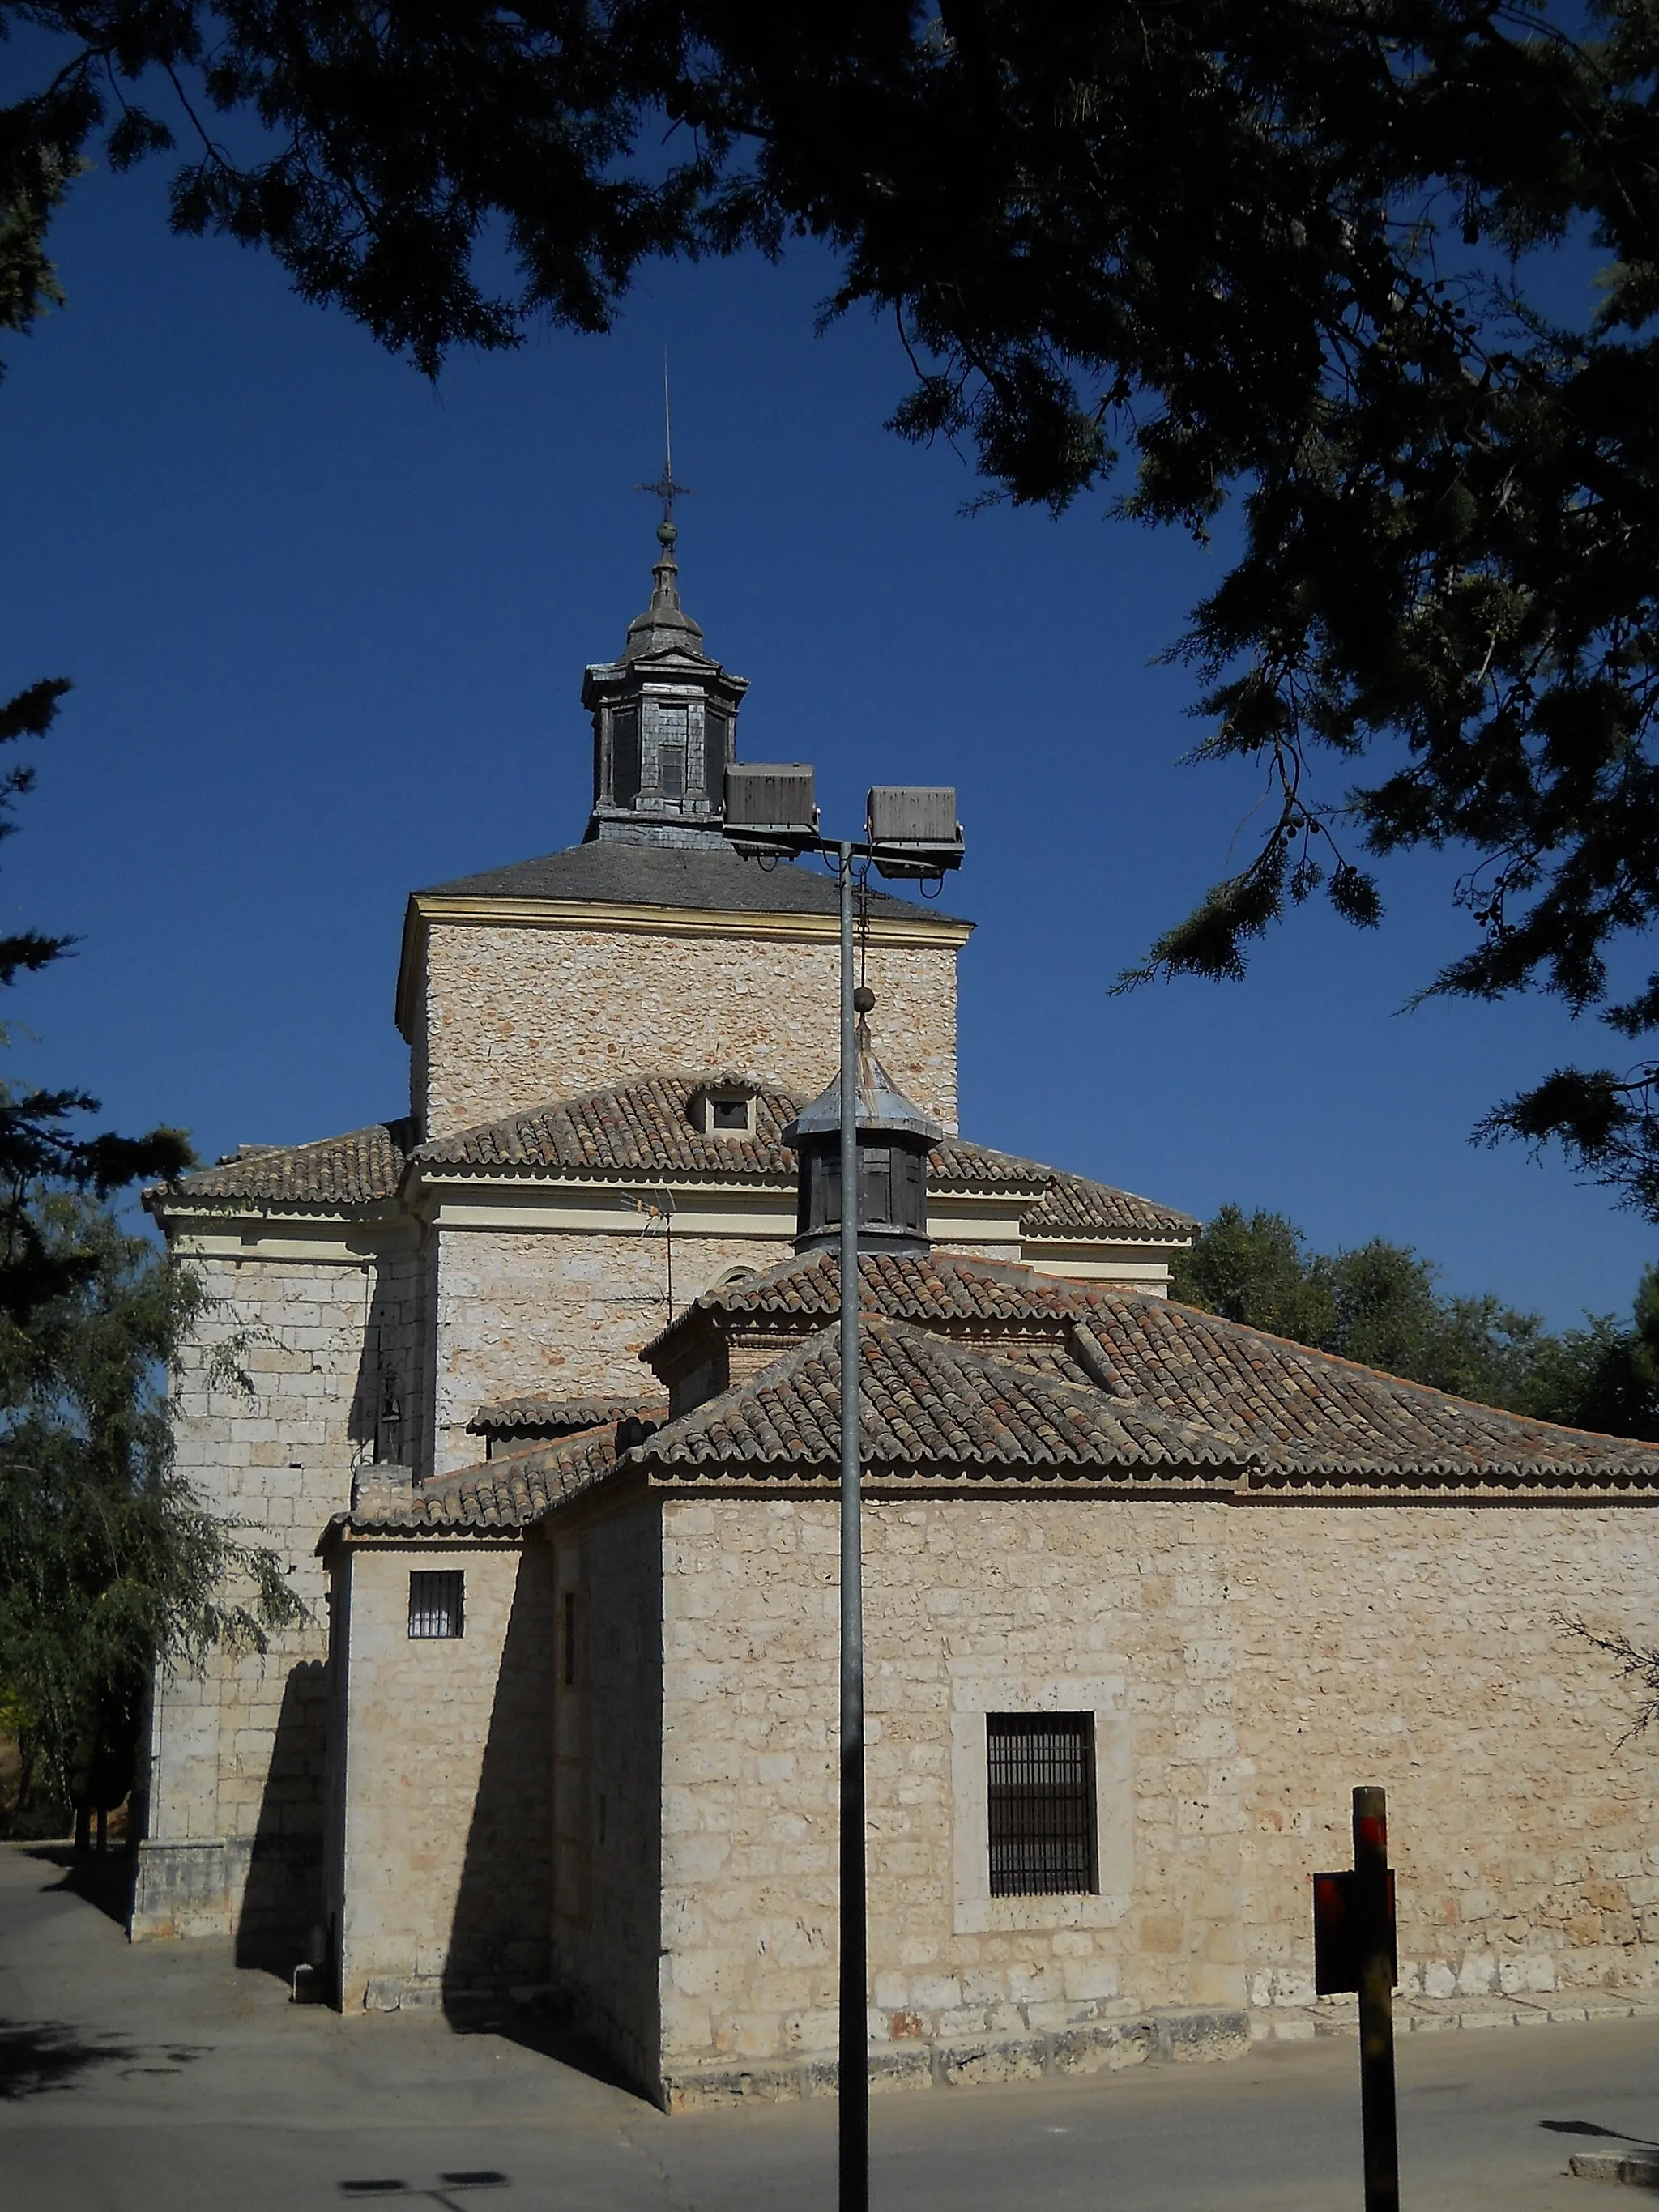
(894, 1140)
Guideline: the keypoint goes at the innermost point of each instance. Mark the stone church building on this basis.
(544, 1417)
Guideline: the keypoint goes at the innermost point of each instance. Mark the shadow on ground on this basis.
(1591, 2127)
(550, 2035)
(40, 2055)
(104, 1881)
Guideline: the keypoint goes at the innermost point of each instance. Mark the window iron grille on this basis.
(435, 1604)
(1040, 1777)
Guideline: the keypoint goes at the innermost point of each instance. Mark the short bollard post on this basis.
(1354, 1951)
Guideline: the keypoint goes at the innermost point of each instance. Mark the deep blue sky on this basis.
(327, 629)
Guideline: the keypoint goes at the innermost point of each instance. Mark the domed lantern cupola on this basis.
(894, 1140)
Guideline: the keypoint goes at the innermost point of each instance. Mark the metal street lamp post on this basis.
(908, 831)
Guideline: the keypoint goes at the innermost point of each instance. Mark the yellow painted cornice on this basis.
(615, 917)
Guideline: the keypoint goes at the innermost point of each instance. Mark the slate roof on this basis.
(511, 1415)
(500, 1496)
(713, 880)
(333, 1173)
(926, 1403)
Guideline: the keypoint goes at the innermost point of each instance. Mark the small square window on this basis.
(434, 1604)
(730, 1113)
(1041, 1802)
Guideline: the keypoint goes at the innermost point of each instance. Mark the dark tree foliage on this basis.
(1176, 253)
(108, 1562)
(1378, 1304)
(41, 1145)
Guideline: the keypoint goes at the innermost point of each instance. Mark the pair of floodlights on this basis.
(910, 830)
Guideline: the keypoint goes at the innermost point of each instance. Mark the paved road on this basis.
(161, 2080)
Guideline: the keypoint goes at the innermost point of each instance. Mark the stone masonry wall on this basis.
(446, 1871)
(552, 1314)
(512, 1018)
(1245, 1667)
(971, 1606)
(608, 1687)
(236, 1767)
(1421, 1648)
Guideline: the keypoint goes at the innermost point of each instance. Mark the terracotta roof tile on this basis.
(334, 1173)
(637, 1127)
(1259, 1397)
(645, 1128)
(510, 1415)
(499, 1495)
(929, 1404)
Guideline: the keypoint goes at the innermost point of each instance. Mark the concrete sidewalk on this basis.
(164, 2080)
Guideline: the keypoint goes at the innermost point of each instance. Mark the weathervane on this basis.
(666, 489)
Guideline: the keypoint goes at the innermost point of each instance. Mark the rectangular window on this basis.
(1041, 1794)
(625, 756)
(730, 1113)
(435, 1604)
(670, 771)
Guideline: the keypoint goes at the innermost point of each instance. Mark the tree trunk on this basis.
(82, 1829)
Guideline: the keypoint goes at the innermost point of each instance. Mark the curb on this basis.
(1187, 2036)
(1639, 2167)
(1430, 2016)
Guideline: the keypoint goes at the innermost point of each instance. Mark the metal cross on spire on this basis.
(666, 489)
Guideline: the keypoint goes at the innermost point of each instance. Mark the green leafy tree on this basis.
(109, 1563)
(1286, 256)
(1378, 1304)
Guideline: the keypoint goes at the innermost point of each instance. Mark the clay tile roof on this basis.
(332, 1174)
(646, 1128)
(643, 1127)
(1294, 1411)
(500, 1496)
(1302, 1409)
(934, 1287)
(510, 1415)
(928, 1404)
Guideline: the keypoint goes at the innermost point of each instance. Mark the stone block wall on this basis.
(234, 1810)
(1421, 1647)
(442, 1889)
(1246, 1665)
(608, 1719)
(559, 1313)
(971, 1606)
(509, 1017)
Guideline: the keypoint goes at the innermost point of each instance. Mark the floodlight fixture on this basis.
(769, 806)
(912, 829)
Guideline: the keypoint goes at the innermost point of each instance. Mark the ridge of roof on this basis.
(936, 1285)
(507, 1414)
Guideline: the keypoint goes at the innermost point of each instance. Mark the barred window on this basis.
(1040, 1773)
(434, 1604)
